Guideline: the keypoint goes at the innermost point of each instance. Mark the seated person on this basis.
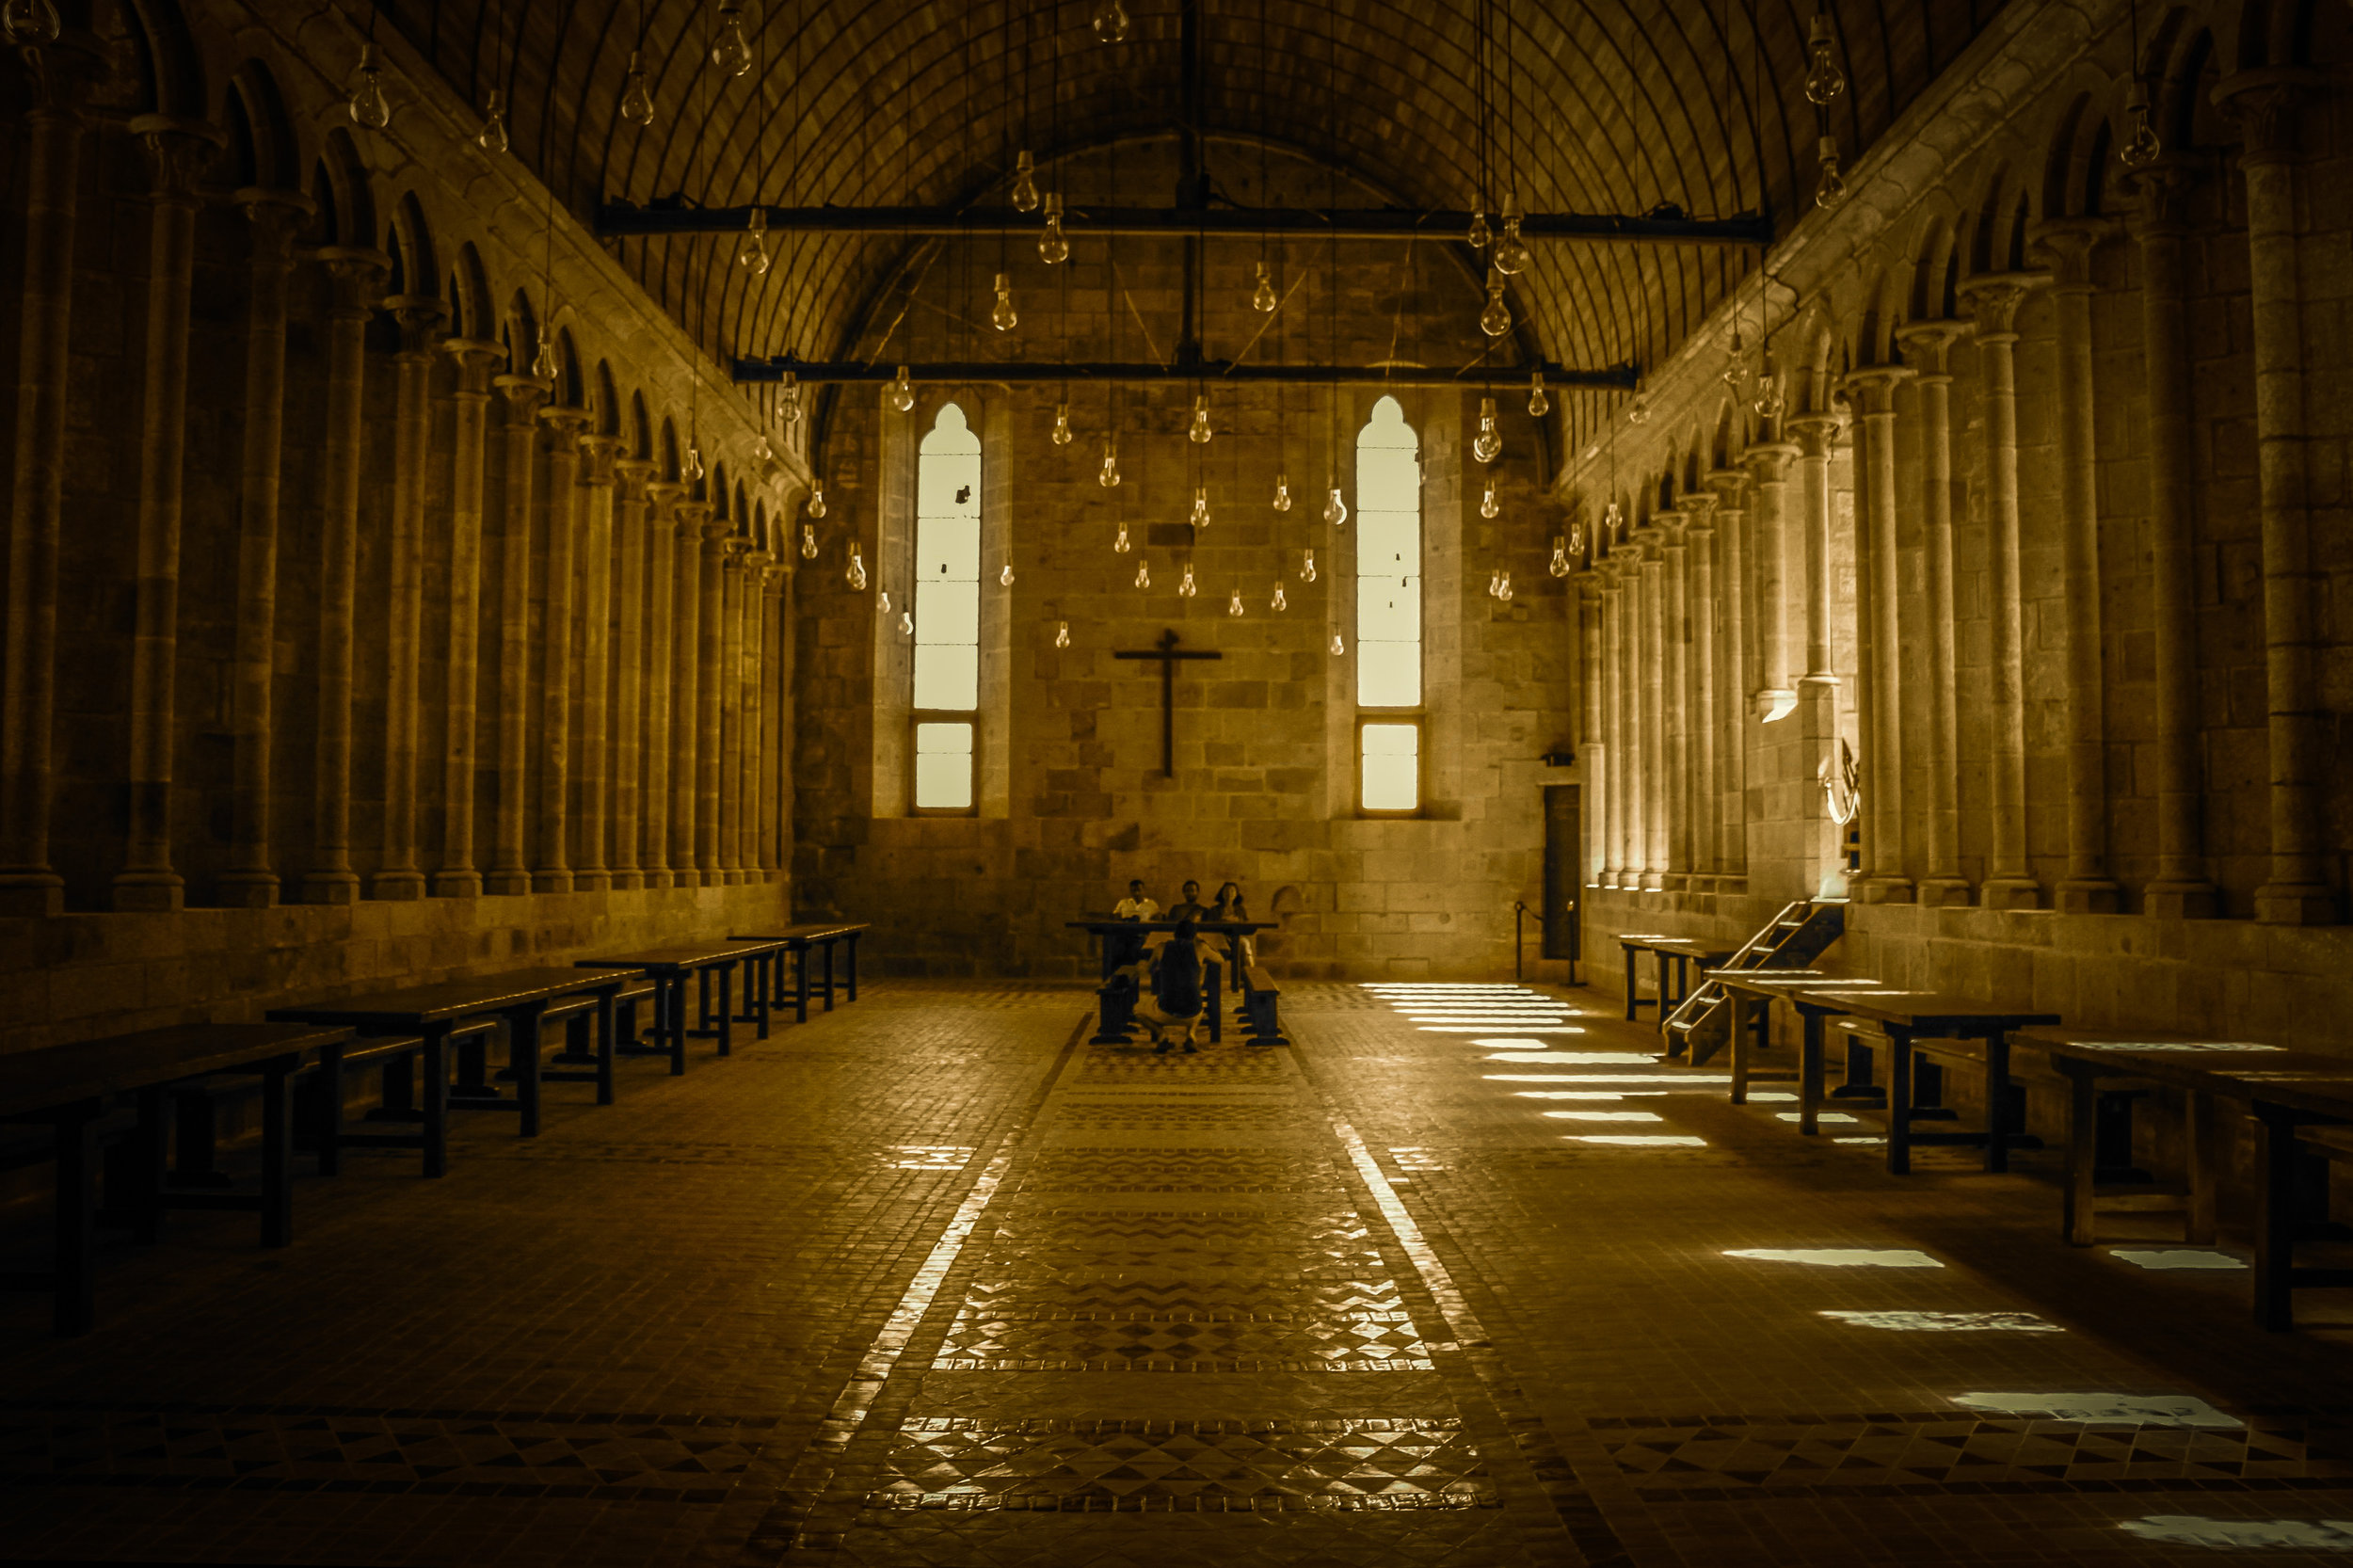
(1127, 949)
(1190, 907)
(1229, 906)
(1177, 990)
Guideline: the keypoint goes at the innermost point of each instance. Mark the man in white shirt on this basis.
(1135, 907)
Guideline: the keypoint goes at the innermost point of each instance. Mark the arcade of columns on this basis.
(1768, 575)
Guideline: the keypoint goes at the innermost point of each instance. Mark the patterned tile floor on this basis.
(1462, 1278)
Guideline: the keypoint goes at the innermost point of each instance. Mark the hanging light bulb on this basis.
(492, 137)
(1495, 319)
(543, 368)
(1488, 504)
(1051, 247)
(731, 51)
(2141, 147)
(1062, 633)
(1488, 444)
(1187, 589)
(1306, 565)
(1539, 404)
(1480, 236)
(1560, 564)
(1109, 475)
(1201, 507)
(690, 469)
(1334, 509)
(1771, 401)
(761, 449)
(1233, 605)
(1279, 603)
(1062, 424)
(1638, 412)
(1503, 590)
(28, 22)
(882, 604)
(1024, 182)
(368, 104)
(903, 392)
(1143, 574)
(1832, 190)
(1495, 581)
(817, 502)
(1005, 578)
(788, 401)
(1339, 646)
(1511, 250)
(855, 576)
(1199, 432)
(751, 252)
(1121, 545)
(808, 542)
(1734, 364)
(906, 623)
(1110, 21)
(1282, 492)
(1824, 81)
(1262, 297)
(1002, 316)
(636, 100)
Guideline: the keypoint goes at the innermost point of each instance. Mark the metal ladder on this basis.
(1793, 940)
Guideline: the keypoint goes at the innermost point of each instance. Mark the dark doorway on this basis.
(1564, 859)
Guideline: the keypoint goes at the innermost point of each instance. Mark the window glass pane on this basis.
(1387, 613)
(948, 678)
(1388, 675)
(947, 548)
(943, 766)
(1389, 571)
(1391, 766)
(947, 613)
(946, 568)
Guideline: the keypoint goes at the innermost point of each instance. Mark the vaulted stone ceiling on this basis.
(1597, 106)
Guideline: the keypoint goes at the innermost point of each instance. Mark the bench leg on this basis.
(2275, 1218)
(828, 947)
(727, 1011)
(434, 1059)
(800, 985)
(607, 1030)
(670, 1001)
(1898, 1102)
(756, 981)
(2198, 1161)
(2083, 1109)
(849, 961)
(1997, 1130)
(1631, 985)
(330, 1128)
(277, 1154)
(1809, 1075)
(1215, 1004)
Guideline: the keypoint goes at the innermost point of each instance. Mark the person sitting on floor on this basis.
(1176, 989)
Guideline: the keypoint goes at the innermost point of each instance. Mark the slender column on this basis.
(459, 878)
(2264, 104)
(661, 655)
(686, 708)
(748, 682)
(275, 218)
(397, 875)
(1927, 344)
(1733, 672)
(630, 579)
(1703, 806)
(1653, 752)
(1994, 301)
(1885, 852)
(2182, 889)
(1616, 819)
(57, 80)
(710, 699)
(177, 149)
(776, 716)
(566, 504)
(1821, 863)
(730, 823)
(1674, 624)
(509, 871)
(1593, 740)
(596, 656)
(357, 275)
(1776, 692)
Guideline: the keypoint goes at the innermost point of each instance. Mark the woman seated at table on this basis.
(1229, 906)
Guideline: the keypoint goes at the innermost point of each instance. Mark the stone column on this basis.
(710, 698)
(1776, 692)
(509, 871)
(1993, 301)
(1820, 860)
(2181, 889)
(1734, 671)
(177, 151)
(1675, 626)
(274, 218)
(730, 747)
(1617, 819)
(776, 743)
(1652, 755)
(685, 705)
(1884, 880)
(1928, 345)
(747, 681)
(57, 81)
(1701, 622)
(357, 276)
(458, 877)
(2086, 888)
(1594, 748)
(660, 656)
(2265, 104)
(595, 656)
(631, 581)
(397, 875)
(566, 504)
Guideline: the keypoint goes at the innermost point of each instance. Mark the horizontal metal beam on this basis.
(672, 216)
(1102, 373)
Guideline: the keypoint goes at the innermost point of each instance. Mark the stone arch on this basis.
(471, 313)
(2076, 146)
(760, 541)
(743, 513)
(604, 400)
(1812, 342)
(1730, 426)
(640, 428)
(1872, 342)
(2183, 111)
(170, 61)
(413, 265)
(1983, 251)
(1931, 262)
(571, 386)
(345, 194)
(718, 492)
(264, 151)
(667, 455)
(519, 329)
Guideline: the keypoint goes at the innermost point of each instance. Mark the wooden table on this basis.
(1753, 991)
(431, 1012)
(669, 968)
(2288, 1093)
(68, 1088)
(762, 956)
(1109, 930)
(1680, 951)
(798, 940)
(1911, 1016)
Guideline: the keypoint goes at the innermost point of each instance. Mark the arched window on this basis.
(947, 576)
(1388, 613)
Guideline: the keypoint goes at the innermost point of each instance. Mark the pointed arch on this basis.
(261, 135)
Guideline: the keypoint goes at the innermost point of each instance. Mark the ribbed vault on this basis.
(1595, 105)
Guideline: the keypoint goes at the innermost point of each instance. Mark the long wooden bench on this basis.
(69, 1087)
(820, 938)
(1122, 993)
(1260, 1007)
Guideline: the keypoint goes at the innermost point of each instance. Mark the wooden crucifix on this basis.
(1167, 651)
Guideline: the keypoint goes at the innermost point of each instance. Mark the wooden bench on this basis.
(1260, 1000)
(671, 968)
(799, 940)
(1123, 991)
(69, 1087)
(1751, 993)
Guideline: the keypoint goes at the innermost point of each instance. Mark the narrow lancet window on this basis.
(1388, 612)
(946, 579)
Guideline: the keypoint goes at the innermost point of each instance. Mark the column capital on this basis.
(690, 516)
(1993, 299)
(635, 477)
(565, 423)
(662, 494)
(1589, 582)
(276, 217)
(357, 273)
(1699, 511)
(2066, 245)
(1929, 345)
(1877, 384)
(523, 395)
(474, 359)
(2163, 190)
(1727, 483)
(418, 315)
(2263, 103)
(597, 454)
(1768, 462)
(178, 151)
(1817, 433)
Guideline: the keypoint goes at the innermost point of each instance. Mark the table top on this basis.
(1776, 981)
(415, 1006)
(2241, 1068)
(91, 1070)
(807, 932)
(1923, 1010)
(1241, 928)
(670, 960)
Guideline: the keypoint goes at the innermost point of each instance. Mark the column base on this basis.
(2089, 895)
(2295, 904)
(2182, 900)
(551, 881)
(1882, 889)
(397, 886)
(591, 882)
(245, 890)
(2010, 893)
(457, 884)
(1944, 892)
(32, 894)
(1703, 886)
(149, 893)
(330, 887)
(1674, 882)
(1733, 885)
(1652, 882)
(506, 883)
(624, 882)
